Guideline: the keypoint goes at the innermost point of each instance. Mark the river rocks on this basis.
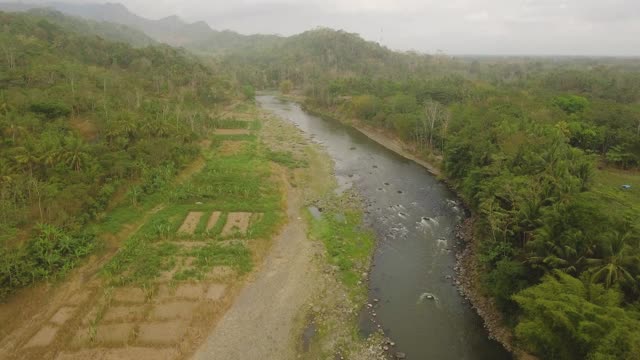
(401, 355)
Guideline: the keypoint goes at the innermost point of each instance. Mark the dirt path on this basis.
(261, 322)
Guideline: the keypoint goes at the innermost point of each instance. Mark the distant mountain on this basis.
(106, 30)
(171, 30)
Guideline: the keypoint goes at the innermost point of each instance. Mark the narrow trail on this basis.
(261, 322)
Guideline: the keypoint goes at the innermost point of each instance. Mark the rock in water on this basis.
(401, 355)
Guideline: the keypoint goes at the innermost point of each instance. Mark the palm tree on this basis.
(74, 153)
(568, 258)
(558, 246)
(612, 268)
(28, 156)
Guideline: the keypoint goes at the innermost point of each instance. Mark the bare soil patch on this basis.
(189, 291)
(114, 334)
(43, 337)
(129, 295)
(62, 315)
(237, 223)
(124, 313)
(215, 292)
(162, 333)
(190, 223)
(78, 298)
(232, 132)
(173, 310)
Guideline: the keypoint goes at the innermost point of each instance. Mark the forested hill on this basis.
(81, 120)
(197, 37)
(108, 31)
(322, 54)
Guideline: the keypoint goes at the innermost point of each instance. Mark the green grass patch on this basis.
(235, 124)
(349, 244)
(207, 257)
(607, 191)
(201, 228)
(236, 256)
(218, 139)
(286, 158)
(217, 228)
(140, 261)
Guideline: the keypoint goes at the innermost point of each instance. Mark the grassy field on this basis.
(607, 190)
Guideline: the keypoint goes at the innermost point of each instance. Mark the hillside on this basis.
(172, 30)
(109, 31)
(84, 119)
(322, 54)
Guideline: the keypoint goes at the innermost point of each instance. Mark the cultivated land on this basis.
(217, 261)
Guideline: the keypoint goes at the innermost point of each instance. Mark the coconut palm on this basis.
(74, 153)
(612, 268)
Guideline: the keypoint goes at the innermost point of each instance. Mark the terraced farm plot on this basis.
(178, 270)
(163, 319)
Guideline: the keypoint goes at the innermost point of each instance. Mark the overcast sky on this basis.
(563, 27)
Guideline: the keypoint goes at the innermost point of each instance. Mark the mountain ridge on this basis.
(172, 30)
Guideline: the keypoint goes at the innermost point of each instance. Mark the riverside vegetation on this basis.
(538, 148)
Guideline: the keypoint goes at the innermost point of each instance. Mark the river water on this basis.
(414, 217)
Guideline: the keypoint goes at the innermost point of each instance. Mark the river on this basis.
(414, 217)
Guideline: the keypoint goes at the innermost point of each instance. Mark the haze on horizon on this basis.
(481, 27)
